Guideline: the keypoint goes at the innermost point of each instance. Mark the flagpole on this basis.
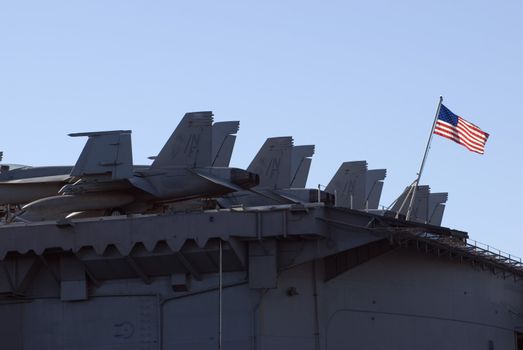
(416, 183)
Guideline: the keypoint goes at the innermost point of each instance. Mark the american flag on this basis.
(460, 131)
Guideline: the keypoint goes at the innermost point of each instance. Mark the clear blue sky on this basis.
(359, 79)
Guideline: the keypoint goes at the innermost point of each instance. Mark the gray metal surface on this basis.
(427, 207)
(282, 267)
(283, 170)
(356, 187)
(104, 179)
(295, 276)
(223, 140)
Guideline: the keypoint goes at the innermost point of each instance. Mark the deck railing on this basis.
(479, 249)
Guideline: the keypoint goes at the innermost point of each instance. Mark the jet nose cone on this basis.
(244, 179)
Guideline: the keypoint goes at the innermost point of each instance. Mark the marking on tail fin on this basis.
(190, 143)
(273, 169)
(273, 162)
(349, 185)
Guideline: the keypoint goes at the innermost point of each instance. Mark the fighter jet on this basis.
(104, 178)
(21, 184)
(356, 187)
(427, 207)
(11, 172)
(283, 170)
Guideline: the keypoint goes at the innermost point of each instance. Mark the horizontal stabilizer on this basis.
(144, 185)
(106, 152)
(190, 145)
(253, 198)
(223, 140)
(99, 133)
(219, 181)
(273, 162)
(274, 197)
(300, 165)
(307, 195)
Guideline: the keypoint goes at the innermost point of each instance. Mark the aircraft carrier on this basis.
(188, 253)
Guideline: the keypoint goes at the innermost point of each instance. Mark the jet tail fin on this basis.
(273, 162)
(436, 207)
(300, 165)
(374, 182)
(349, 185)
(223, 140)
(190, 143)
(106, 152)
(426, 208)
(356, 187)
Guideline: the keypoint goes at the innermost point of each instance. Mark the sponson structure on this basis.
(299, 276)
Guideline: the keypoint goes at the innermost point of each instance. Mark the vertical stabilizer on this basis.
(273, 162)
(349, 185)
(300, 165)
(374, 186)
(419, 211)
(427, 207)
(190, 145)
(436, 207)
(106, 152)
(223, 140)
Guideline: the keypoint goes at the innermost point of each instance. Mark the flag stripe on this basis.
(480, 132)
(472, 129)
(459, 137)
(459, 141)
(451, 129)
(457, 129)
(468, 133)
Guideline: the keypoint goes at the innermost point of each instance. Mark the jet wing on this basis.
(40, 179)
